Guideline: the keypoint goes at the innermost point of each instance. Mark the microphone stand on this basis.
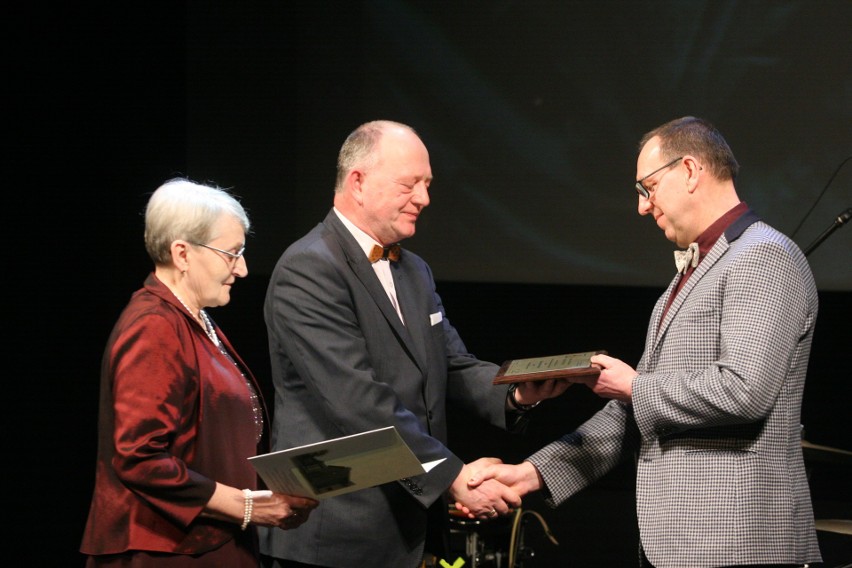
(838, 222)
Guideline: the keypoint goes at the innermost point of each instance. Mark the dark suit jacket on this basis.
(175, 417)
(343, 363)
(716, 413)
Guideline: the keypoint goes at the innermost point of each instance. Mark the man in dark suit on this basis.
(714, 405)
(360, 341)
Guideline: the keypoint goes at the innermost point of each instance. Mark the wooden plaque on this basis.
(568, 366)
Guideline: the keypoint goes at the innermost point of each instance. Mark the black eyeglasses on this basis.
(640, 186)
(232, 256)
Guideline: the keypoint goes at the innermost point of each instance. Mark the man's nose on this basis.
(421, 194)
(645, 205)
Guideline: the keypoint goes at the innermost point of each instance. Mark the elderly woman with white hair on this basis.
(180, 411)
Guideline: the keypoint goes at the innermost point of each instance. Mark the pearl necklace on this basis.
(202, 315)
(257, 412)
(208, 327)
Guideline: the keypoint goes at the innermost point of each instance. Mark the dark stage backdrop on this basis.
(531, 111)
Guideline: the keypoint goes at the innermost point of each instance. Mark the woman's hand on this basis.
(282, 511)
(268, 509)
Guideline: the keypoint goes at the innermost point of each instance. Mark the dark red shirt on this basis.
(705, 241)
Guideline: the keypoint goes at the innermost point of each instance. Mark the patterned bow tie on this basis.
(390, 253)
(686, 258)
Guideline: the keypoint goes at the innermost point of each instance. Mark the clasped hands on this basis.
(487, 487)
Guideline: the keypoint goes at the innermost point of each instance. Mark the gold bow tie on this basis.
(390, 253)
(686, 258)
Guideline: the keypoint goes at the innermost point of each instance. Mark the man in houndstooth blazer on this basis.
(713, 407)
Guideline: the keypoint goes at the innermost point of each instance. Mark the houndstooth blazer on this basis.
(715, 415)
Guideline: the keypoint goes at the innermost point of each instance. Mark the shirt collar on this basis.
(711, 234)
(365, 241)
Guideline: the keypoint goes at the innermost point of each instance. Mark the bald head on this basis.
(383, 177)
(360, 149)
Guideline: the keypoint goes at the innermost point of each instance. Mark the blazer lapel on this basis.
(363, 270)
(729, 235)
(703, 267)
(658, 311)
(415, 318)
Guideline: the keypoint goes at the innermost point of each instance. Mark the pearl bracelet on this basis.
(247, 493)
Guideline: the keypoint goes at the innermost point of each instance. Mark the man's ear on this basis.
(355, 184)
(694, 171)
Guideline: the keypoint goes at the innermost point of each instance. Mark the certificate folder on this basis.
(570, 366)
(338, 466)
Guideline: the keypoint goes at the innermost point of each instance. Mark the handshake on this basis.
(487, 487)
